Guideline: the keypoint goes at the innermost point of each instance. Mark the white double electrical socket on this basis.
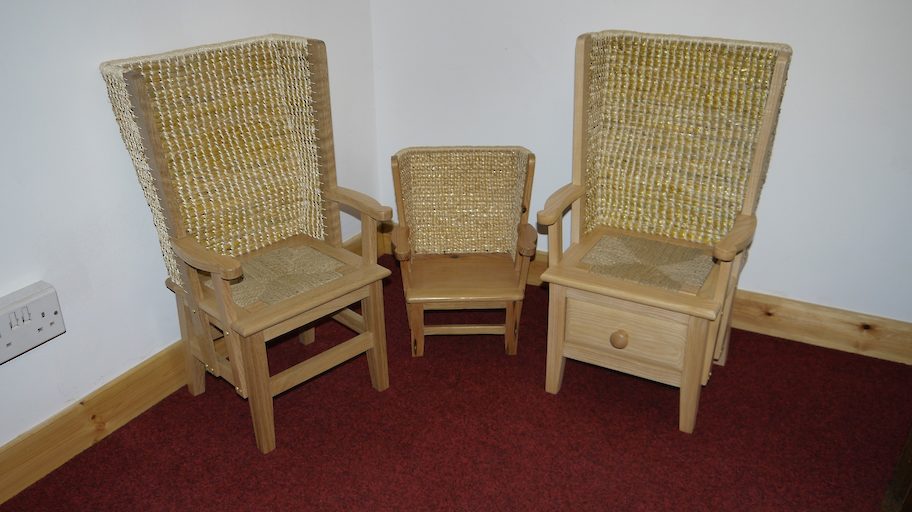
(28, 318)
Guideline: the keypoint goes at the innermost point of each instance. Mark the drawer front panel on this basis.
(655, 337)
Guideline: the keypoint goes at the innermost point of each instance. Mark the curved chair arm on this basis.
(526, 243)
(402, 250)
(558, 202)
(551, 216)
(198, 257)
(740, 236)
(372, 213)
(361, 202)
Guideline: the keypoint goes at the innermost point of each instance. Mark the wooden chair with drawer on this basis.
(672, 140)
(232, 144)
(463, 238)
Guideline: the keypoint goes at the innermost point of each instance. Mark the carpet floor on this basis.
(783, 426)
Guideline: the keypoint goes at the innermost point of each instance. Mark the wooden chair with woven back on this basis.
(232, 144)
(463, 239)
(672, 140)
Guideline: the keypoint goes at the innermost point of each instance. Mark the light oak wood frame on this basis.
(465, 281)
(678, 335)
(230, 341)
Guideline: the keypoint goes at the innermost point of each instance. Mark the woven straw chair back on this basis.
(229, 141)
(675, 131)
(462, 200)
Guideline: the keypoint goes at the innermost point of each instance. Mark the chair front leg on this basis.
(511, 327)
(416, 326)
(557, 320)
(372, 310)
(691, 378)
(259, 395)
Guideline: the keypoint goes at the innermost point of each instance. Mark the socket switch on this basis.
(28, 318)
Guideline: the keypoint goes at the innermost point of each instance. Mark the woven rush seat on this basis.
(276, 275)
(661, 263)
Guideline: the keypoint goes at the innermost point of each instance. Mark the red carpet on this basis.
(783, 427)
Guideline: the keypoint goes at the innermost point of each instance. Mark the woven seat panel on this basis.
(283, 273)
(672, 127)
(462, 200)
(650, 262)
(236, 126)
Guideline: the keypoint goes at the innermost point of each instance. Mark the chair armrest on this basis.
(551, 216)
(402, 250)
(740, 236)
(526, 243)
(198, 257)
(361, 202)
(558, 202)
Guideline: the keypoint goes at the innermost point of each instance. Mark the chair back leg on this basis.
(307, 336)
(196, 370)
(720, 354)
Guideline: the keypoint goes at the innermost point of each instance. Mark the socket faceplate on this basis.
(28, 318)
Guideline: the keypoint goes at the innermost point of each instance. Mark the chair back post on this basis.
(522, 264)
(580, 148)
(325, 140)
(763, 149)
(527, 188)
(397, 190)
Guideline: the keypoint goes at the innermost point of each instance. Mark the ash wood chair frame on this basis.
(226, 133)
(463, 240)
(626, 323)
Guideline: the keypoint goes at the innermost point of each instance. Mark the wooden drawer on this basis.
(655, 337)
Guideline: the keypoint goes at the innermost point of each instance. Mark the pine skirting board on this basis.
(823, 326)
(46, 447)
(36, 453)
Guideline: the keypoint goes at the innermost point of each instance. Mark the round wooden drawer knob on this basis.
(618, 339)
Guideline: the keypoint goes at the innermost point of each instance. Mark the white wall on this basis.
(835, 211)
(833, 217)
(70, 206)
